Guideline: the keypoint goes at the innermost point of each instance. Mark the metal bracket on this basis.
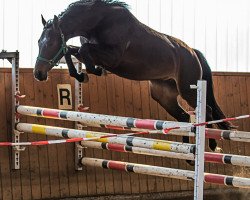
(13, 58)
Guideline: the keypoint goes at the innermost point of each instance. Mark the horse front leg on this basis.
(86, 56)
(95, 54)
(81, 77)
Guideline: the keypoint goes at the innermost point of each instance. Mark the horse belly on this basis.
(140, 72)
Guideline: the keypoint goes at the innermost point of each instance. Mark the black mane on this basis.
(94, 2)
(77, 4)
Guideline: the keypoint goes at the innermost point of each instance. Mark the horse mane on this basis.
(94, 2)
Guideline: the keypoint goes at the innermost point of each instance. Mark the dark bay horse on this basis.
(116, 41)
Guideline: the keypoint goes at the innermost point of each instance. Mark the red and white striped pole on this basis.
(122, 139)
(121, 142)
(99, 120)
(166, 172)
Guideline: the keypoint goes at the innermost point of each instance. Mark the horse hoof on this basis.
(104, 72)
(190, 162)
(218, 150)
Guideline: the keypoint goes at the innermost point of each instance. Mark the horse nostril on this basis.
(38, 73)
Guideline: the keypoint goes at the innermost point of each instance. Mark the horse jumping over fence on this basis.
(116, 41)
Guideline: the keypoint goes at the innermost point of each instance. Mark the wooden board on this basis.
(48, 172)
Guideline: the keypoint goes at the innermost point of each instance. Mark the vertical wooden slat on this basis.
(25, 165)
(152, 181)
(50, 101)
(158, 161)
(70, 148)
(166, 162)
(97, 153)
(128, 106)
(211, 167)
(137, 105)
(5, 152)
(91, 175)
(223, 93)
(247, 146)
(110, 84)
(119, 108)
(43, 150)
(228, 148)
(103, 108)
(33, 151)
(61, 149)
(244, 110)
(83, 176)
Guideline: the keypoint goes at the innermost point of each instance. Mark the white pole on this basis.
(78, 101)
(200, 140)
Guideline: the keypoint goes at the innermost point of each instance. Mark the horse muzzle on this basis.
(40, 75)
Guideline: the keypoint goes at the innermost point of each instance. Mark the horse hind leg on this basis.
(166, 93)
(190, 96)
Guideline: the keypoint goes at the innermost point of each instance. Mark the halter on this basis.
(52, 62)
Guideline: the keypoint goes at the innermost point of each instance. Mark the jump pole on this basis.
(127, 140)
(218, 134)
(166, 172)
(127, 123)
(126, 144)
(100, 120)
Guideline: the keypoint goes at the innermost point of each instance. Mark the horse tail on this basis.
(211, 101)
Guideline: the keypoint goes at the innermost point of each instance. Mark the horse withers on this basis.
(116, 41)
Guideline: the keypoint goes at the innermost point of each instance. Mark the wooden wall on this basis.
(48, 171)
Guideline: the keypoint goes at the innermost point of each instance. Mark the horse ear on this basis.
(43, 20)
(56, 22)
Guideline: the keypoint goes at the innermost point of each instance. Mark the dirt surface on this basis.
(228, 194)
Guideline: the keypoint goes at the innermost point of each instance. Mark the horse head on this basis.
(52, 47)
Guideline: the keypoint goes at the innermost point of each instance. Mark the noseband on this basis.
(63, 49)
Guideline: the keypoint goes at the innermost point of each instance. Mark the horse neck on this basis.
(81, 23)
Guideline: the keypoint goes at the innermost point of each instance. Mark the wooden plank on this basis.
(61, 148)
(5, 151)
(33, 151)
(158, 161)
(141, 159)
(91, 175)
(228, 88)
(25, 165)
(49, 101)
(82, 175)
(111, 106)
(70, 148)
(103, 109)
(244, 110)
(114, 96)
(42, 150)
(236, 146)
(221, 99)
(152, 181)
(247, 146)
(97, 153)
(212, 167)
(119, 108)
(166, 162)
(146, 114)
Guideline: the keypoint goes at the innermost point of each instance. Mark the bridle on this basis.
(53, 62)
